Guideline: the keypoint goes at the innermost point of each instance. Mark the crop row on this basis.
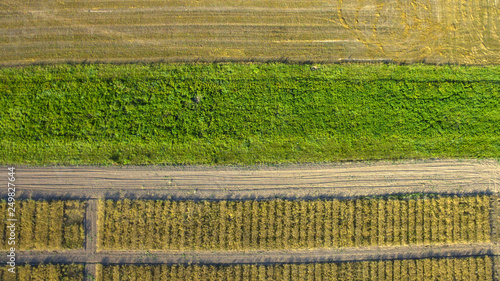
(43, 272)
(472, 268)
(285, 224)
(45, 225)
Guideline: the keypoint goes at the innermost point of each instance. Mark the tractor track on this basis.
(260, 256)
(345, 180)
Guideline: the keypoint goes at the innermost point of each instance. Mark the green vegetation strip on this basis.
(44, 225)
(472, 268)
(52, 272)
(285, 224)
(246, 113)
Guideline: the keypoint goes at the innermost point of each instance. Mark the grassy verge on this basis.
(246, 113)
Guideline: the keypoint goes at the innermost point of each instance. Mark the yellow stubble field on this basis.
(456, 31)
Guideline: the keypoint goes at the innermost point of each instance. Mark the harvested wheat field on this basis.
(457, 31)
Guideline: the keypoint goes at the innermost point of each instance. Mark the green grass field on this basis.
(246, 113)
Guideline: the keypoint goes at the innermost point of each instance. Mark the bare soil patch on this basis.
(261, 257)
(344, 180)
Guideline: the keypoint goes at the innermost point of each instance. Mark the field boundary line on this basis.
(236, 195)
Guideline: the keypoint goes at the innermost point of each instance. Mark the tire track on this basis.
(259, 182)
(260, 257)
(91, 237)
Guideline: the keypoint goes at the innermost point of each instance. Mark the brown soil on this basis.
(262, 257)
(258, 182)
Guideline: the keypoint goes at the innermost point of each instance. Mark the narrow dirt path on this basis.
(260, 257)
(90, 272)
(91, 237)
(91, 226)
(259, 182)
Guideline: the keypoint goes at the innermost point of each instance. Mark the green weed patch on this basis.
(246, 113)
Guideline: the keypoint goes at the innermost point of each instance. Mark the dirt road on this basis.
(259, 182)
(260, 257)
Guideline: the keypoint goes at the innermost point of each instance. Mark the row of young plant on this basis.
(46, 225)
(286, 224)
(467, 269)
(44, 272)
(273, 224)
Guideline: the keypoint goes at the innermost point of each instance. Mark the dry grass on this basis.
(282, 224)
(53, 272)
(472, 268)
(435, 31)
(46, 225)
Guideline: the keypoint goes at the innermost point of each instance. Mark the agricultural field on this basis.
(457, 31)
(403, 236)
(246, 113)
(52, 272)
(207, 110)
(467, 269)
(285, 224)
(46, 225)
